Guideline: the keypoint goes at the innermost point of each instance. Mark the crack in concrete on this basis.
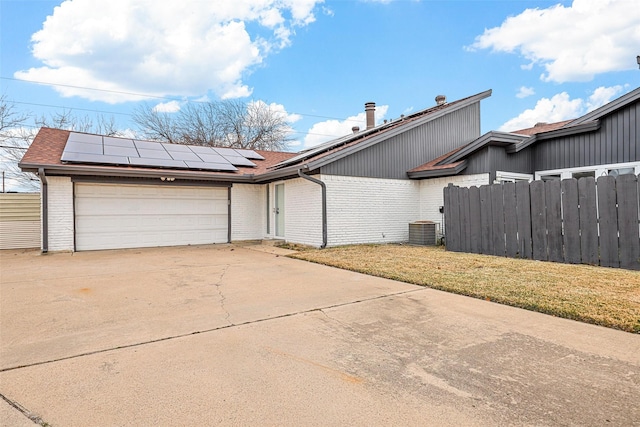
(222, 297)
(24, 411)
(230, 325)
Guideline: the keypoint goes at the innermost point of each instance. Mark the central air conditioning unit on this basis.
(422, 233)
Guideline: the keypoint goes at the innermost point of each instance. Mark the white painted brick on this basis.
(248, 212)
(303, 212)
(60, 204)
(432, 194)
(370, 210)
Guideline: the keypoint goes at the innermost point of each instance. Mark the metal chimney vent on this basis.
(441, 99)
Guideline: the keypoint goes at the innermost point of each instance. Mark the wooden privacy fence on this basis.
(572, 221)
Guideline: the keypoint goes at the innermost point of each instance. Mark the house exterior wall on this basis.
(492, 158)
(432, 195)
(248, 212)
(302, 212)
(369, 210)
(391, 159)
(615, 142)
(60, 211)
(19, 220)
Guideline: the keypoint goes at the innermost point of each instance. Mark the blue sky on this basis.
(319, 62)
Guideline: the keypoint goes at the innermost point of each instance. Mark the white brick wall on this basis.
(432, 194)
(60, 213)
(303, 212)
(248, 212)
(370, 210)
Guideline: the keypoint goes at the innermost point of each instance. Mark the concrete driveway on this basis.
(233, 335)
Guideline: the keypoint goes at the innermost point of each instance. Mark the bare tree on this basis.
(18, 129)
(232, 123)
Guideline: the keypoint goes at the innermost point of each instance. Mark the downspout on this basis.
(324, 204)
(45, 210)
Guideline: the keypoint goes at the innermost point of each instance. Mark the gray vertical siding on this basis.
(394, 157)
(615, 142)
(491, 159)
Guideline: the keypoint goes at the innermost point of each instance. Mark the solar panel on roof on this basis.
(211, 166)
(94, 158)
(179, 155)
(239, 161)
(118, 142)
(249, 154)
(120, 151)
(212, 158)
(148, 145)
(175, 147)
(160, 163)
(83, 137)
(154, 154)
(82, 147)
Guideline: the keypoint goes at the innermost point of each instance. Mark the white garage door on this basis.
(111, 216)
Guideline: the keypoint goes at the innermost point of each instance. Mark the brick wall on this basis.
(248, 212)
(370, 210)
(61, 229)
(432, 194)
(303, 212)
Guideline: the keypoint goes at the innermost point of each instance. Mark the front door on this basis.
(279, 210)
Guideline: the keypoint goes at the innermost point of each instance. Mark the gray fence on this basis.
(567, 221)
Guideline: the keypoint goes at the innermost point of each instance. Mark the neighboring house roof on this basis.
(48, 146)
(454, 162)
(541, 127)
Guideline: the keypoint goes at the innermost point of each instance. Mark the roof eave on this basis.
(591, 126)
(608, 108)
(489, 138)
(436, 173)
(67, 170)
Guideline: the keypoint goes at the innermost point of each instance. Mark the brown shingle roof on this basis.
(48, 145)
(541, 127)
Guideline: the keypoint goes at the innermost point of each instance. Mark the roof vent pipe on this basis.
(441, 99)
(370, 110)
(355, 129)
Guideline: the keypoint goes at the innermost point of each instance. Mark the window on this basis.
(595, 171)
(585, 174)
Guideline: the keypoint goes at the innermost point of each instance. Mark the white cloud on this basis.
(331, 129)
(524, 92)
(572, 43)
(279, 109)
(560, 107)
(167, 107)
(161, 48)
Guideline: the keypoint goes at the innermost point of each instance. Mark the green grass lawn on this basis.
(602, 296)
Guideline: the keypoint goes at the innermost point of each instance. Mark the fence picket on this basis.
(608, 221)
(474, 220)
(485, 219)
(588, 221)
(497, 220)
(510, 219)
(538, 221)
(523, 213)
(627, 196)
(554, 221)
(571, 221)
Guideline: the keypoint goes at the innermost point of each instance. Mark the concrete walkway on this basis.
(229, 335)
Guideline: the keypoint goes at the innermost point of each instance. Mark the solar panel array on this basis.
(104, 150)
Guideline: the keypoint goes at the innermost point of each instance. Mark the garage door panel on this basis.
(110, 216)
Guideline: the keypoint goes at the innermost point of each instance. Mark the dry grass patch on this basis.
(602, 296)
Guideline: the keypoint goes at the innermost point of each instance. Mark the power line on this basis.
(70, 108)
(144, 96)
